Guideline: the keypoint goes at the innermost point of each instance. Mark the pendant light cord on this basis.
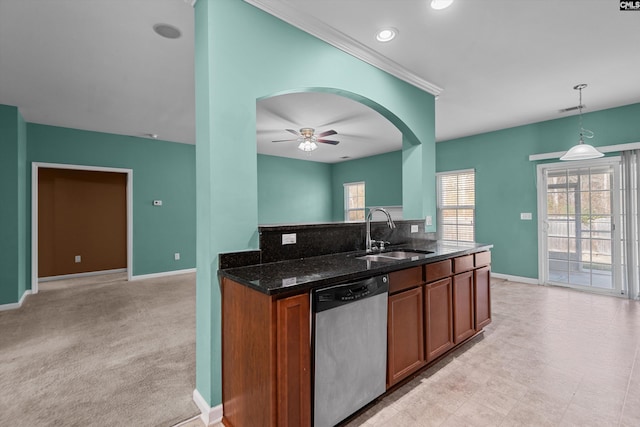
(586, 133)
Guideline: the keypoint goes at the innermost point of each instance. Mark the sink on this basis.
(391, 256)
(419, 251)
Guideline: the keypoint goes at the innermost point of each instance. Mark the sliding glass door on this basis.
(580, 245)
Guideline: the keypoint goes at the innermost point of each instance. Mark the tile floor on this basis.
(551, 357)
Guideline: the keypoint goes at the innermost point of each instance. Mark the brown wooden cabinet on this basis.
(405, 342)
(482, 297)
(463, 317)
(293, 360)
(438, 318)
(266, 345)
(266, 353)
(405, 334)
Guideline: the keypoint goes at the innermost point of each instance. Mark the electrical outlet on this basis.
(78, 258)
(289, 239)
(428, 220)
(526, 216)
(176, 256)
(414, 228)
(157, 203)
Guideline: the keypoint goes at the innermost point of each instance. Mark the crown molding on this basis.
(338, 39)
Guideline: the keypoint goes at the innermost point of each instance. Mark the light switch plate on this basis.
(78, 258)
(289, 239)
(414, 228)
(176, 256)
(428, 220)
(526, 216)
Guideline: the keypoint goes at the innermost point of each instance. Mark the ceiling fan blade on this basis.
(327, 133)
(329, 141)
(293, 132)
(285, 140)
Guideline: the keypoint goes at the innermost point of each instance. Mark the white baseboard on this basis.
(163, 274)
(208, 415)
(519, 279)
(14, 305)
(189, 421)
(87, 274)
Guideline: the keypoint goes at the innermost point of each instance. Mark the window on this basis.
(354, 201)
(456, 205)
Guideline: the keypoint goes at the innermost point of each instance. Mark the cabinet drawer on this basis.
(438, 270)
(463, 263)
(482, 259)
(405, 279)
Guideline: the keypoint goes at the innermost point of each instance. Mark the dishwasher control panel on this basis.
(326, 298)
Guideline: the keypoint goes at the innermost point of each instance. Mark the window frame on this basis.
(347, 186)
(457, 207)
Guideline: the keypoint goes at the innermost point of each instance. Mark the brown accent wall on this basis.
(81, 213)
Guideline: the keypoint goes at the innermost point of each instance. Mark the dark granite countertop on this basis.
(307, 273)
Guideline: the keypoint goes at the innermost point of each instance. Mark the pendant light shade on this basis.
(582, 151)
(440, 4)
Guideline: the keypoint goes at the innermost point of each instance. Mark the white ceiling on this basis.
(361, 131)
(98, 65)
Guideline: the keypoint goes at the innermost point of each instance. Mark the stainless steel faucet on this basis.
(368, 242)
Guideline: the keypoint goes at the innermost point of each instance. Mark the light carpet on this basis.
(100, 351)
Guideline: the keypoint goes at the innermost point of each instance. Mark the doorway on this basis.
(37, 168)
(579, 236)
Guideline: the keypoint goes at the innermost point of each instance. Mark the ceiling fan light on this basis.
(582, 151)
(440, 4)
(307, 145)
(386, 34)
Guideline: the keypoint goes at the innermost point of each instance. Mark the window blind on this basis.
(456, 205)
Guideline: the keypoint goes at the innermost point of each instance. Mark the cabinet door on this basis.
(438, 318)
(463, 318)
(482, 296)
(293, 361)
(405, 339)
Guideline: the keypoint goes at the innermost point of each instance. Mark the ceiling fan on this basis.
(308, 139)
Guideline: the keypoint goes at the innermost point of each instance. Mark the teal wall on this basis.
(161, 170)
(382, 175)
(13, 268)
(506, 179)
(293, 191)
(241, 55)
(299, 191)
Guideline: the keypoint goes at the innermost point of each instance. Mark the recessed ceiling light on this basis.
(386, 34)
(167, 31)
(440, 4)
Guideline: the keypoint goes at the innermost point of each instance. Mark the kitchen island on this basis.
(438, 298)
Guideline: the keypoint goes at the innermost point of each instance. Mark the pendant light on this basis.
(440, 4)
(582, 151)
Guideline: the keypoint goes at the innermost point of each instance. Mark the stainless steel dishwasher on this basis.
(350, 348)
